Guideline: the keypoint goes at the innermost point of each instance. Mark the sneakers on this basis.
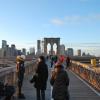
(21, 96)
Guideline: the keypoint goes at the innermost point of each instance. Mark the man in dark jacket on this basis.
(60, 82)
(42, 76)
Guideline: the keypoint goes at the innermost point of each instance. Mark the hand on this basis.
(54, 74)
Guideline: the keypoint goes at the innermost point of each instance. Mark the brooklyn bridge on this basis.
(84, 76)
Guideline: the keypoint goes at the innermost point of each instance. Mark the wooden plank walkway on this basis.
(30, 92)
(78, 90)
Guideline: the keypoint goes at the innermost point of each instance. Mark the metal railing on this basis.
(88, 73)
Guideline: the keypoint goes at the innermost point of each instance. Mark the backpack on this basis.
(9, 90)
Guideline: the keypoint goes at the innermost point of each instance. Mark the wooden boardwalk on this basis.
(78, 90)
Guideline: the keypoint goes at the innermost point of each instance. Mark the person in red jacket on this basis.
(61, 59)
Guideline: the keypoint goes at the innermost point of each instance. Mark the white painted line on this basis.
(87, 84)
(51, 86)
(51, 93)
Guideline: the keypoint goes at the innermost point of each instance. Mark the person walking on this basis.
(41, 78)
(67, 62)
(52, 61)
(60, 82)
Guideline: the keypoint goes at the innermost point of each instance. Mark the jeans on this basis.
(40, 94)
(20, 82)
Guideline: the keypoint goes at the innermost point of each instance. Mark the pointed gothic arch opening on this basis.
(54, 49)
(52, 41)
(48, 48)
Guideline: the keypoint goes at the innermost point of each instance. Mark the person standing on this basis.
(60, 82)
(20, 69)
(42, 77)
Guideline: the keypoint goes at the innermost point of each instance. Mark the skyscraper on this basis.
(70, 51)
(13, 50)
(62, 49)
(38, 46)
(13, 46)
(24, 51)
(79, 52)
(32, 50)
(4, 43)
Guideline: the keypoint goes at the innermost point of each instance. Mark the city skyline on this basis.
(76, 22)
(63, 49)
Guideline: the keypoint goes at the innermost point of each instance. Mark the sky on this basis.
(76, 22)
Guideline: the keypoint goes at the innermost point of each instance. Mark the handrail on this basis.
(88, 73)
(9, 73)
(88, 66)
(7, 70)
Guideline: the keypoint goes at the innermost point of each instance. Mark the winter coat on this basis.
(60, 86)
(42, 76)
(20, 70)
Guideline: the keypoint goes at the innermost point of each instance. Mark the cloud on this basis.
(76, 19)
(79, 18)
(95, 16)
(58, 22)
(73, 19)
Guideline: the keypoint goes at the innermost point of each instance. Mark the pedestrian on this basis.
(20, 68)
(67, 62)
(60, 82)
(41, 78)
(52, 61)
(55, 58)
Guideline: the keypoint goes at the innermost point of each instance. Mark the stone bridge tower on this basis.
(52, 41)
